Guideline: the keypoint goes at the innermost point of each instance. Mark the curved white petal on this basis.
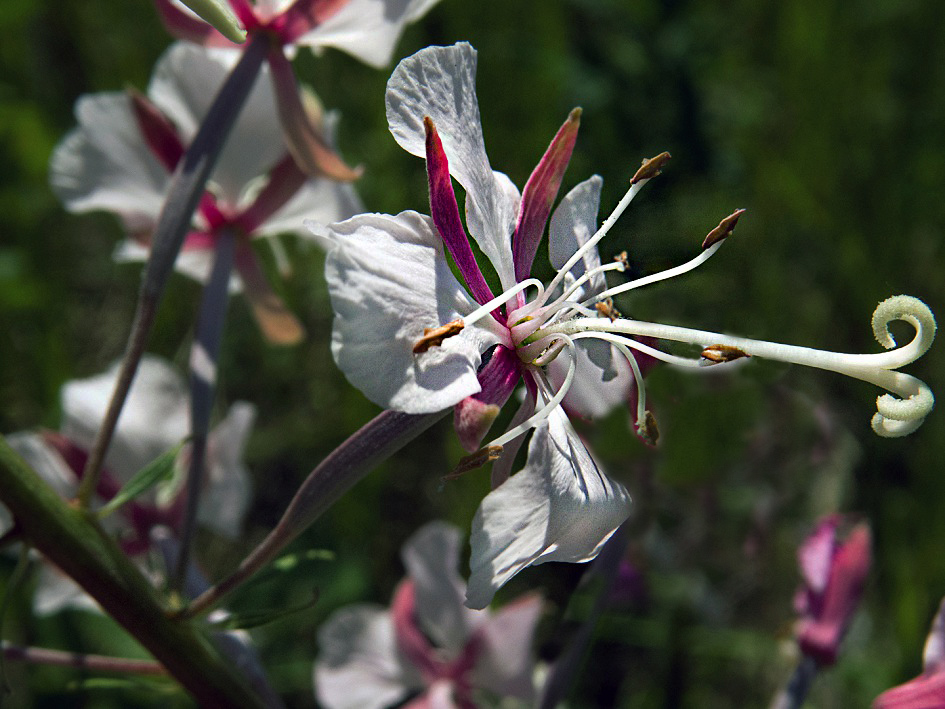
(573, 223)
(184, 84)
(105, 164)
(226, 495)
(602, 379)
(506, 664)
(154, 419)
(367, 29)
(559, 507)
(320, 200)
(358, 665)
(440, 82)
(389, 279)
(431, 556)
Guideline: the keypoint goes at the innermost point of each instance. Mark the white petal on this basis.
(56, 592)
(431, 556)
(367, 29)
(389, 279)
(506, 664)
(224, 499)
(602, 381)
(154, 419)
(440, 82)
(323, 201)
(573, 223)
(358, 666)
(184, 84)
(105, 164)
(559, 507)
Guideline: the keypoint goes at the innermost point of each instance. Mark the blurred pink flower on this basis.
(834, 574)
(927, 691)
(428, 650)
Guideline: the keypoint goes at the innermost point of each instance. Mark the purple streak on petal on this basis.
(539, 194)
(305, 141)
(183, 25)
(498, 378)
(158, 132)
(445, 213)
(410, 639)
(243, 9)
(303, 16)
(285, 179)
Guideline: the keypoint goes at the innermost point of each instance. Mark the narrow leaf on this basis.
(158, 470)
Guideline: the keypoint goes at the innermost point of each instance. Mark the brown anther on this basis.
(623, 259)
(434, 336)
(650, 168)
(606, 309)
(474, 460)
(724, 229)
(647, 429)
(723, 353)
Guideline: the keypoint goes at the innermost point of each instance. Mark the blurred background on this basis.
(823, 119)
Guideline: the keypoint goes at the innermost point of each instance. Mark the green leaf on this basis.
(254, 619)
(218, 14)
(158, 470)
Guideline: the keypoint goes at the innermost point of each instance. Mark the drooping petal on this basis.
(227, 492)
(539, 194)
(183, 86)
(105, 164)
(359, 666)
(389, 279)
(274, 318)
(440, 82)
(154, 419)
(431, 556)
(559, 507)
(596, 390)
(506, 662)
(572, 225)
(367, 29)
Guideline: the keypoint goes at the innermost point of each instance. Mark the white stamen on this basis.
(536, 419)
(503, 298)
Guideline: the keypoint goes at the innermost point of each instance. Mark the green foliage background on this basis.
(824, 119)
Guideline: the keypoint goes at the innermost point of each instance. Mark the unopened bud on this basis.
(650, 168)
(725, 227)
(434, 336)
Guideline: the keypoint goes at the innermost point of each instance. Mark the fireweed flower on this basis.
(834, 574)
(413, 339)
(124, 151)
(366, 29)
(927, 691)
(155, 419)
(428, 649)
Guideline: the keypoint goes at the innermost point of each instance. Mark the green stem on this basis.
(71, 540)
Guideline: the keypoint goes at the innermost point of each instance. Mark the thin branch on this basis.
(373, 443)
(95, 663)
(187, 187)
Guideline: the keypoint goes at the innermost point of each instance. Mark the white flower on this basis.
(428, 647)
(155, 419)
(412, 338)
(121, 157)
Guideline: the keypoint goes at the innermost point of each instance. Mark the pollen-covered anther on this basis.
(623, 260)
(647, 428)
(606, 309)
(434, 336)
(722, 353)
(650, 168)
(474, 460)
(723, 230)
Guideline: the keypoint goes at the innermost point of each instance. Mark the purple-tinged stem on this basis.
(187, 188)
(373, 443)
(94, 663)
(795, 691)
(204, 353)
